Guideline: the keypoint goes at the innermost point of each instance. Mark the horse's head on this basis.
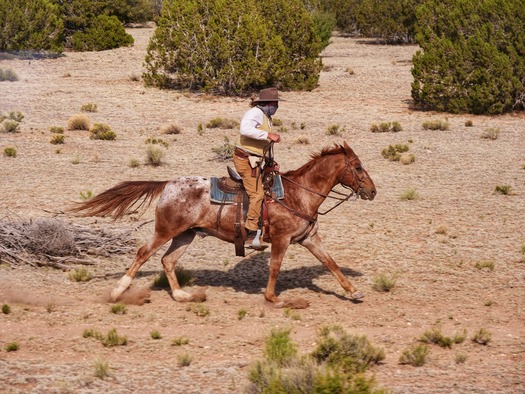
(355, 176)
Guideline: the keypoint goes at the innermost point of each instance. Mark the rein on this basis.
(348, 165)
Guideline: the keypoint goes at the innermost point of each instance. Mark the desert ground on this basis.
(434, 245)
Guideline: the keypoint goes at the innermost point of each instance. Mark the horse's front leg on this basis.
(278, 250)
(315, 246)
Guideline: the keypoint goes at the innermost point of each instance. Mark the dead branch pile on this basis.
(53, 242)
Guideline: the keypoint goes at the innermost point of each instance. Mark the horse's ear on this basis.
(347, 148)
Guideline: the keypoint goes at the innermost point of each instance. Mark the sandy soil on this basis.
(432, 243)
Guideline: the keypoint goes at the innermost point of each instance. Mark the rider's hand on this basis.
(274, 137)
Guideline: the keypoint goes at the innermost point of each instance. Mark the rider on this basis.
(256, 134)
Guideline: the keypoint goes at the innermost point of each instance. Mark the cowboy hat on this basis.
(268, 94)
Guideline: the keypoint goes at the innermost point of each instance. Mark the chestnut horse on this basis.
(184, 210)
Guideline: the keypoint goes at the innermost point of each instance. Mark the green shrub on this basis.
(324, 371)
(384, 127)
(241, 313)
(324, 24)
(8, 75)
(157, 141)
(471, 58)
(180, 341)
(491, 133)
(225, 151)
(56, 129)
(86, 195)
(30, 26)
(279, 347)
(104, 32)
(10, 126)
(113, 339)
(435, 125)
(16, 116)
(415, 355)
(101, 369)
(9, 151)
(184, 277)
(57, 139)
(393, 152)
(184, 360)
(89, 107)
(489, 265)
(482, 336)
(334, 129)
(434, 336)
(384, 282)
(80, 275)
(222, 123)
(12, 347)
(199, 309)
(118, 309)
(154, 154)
(234, 47)
(503, 189)
(391, 20)
(101, 131)
(352, 353)
(6, 309)
(409, 195)
(407, 158)
(155, 335)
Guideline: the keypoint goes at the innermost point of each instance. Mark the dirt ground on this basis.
(431, 244)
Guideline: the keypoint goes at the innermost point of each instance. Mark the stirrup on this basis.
(256, 242)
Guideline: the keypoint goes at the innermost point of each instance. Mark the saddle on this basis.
(230, 190)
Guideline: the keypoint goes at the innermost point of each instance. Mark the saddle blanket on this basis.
(218, 196)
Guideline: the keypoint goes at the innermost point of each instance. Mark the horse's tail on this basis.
(121, 199)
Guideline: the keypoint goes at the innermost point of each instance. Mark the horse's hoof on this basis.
(182, 296)
(114, 295)
(357, 295)
(198, 296)
(293, 303)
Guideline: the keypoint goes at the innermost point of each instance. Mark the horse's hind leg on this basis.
(178, 246)
(315, 246)
(143, 254)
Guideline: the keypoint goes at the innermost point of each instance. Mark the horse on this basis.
(184, 210)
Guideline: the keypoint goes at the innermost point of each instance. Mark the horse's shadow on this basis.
(250, 276)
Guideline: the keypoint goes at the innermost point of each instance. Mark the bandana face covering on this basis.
(269, 110)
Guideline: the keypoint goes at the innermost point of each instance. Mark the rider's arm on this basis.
(250, 122)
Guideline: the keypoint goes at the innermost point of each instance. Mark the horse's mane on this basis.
(334, 150)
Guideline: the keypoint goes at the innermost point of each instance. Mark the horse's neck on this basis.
(317, 182)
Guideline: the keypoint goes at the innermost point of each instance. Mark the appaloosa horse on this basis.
(184, 209)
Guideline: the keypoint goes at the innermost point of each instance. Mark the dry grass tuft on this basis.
(170, 129)
(78, 122)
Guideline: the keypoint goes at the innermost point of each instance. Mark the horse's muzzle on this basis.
(367, 194)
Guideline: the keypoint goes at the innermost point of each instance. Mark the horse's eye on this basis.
(359, 168)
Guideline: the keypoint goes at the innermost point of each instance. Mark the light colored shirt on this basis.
(250, 123)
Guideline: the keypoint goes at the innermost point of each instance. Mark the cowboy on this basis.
(256, 134)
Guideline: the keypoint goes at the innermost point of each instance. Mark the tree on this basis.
(472, 56)
(233, 47)
(103, 33)
(30, 25)
(93, 25)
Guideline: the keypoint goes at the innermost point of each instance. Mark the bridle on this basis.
(353, 192)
